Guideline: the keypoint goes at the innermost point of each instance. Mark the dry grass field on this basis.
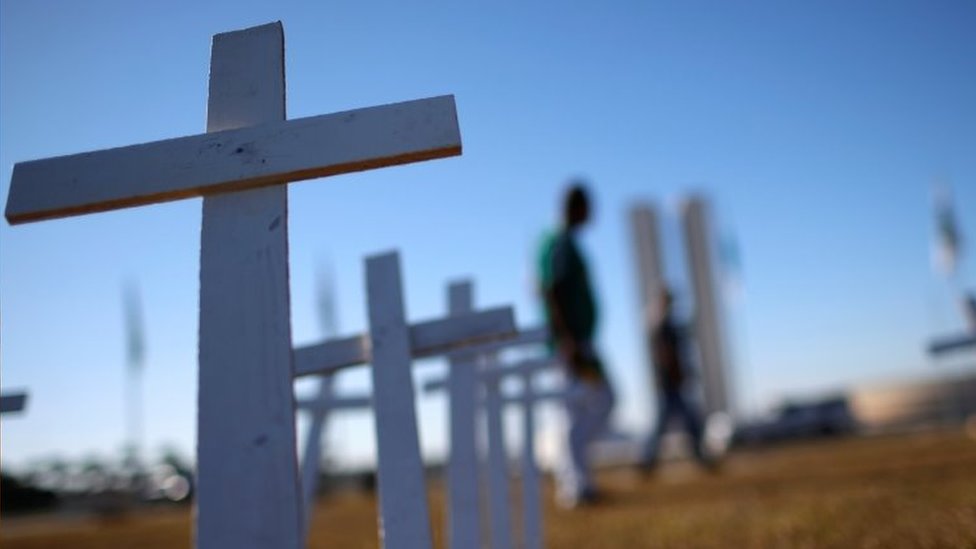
(906, 491)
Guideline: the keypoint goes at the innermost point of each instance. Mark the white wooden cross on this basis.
(463, 496)
(13, 402)
(248, 485)
(391, 346)
(532, 531)
(320, 408)
(497, 460)
(463, 395)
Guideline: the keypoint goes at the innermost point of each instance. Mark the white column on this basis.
(650, 276)
(707, 308)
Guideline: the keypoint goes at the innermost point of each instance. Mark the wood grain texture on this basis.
(247, 491)
(240, 153)
(404, 514)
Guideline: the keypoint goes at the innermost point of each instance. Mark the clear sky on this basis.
(816, 128)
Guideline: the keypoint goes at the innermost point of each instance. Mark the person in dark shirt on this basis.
(669, 353)
(571, 314)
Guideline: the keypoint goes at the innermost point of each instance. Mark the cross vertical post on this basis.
(404, 518)
(247, 487)
(312, 456)
(497, 474)
(531, 497)
(462, 465)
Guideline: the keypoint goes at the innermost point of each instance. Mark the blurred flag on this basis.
(969, 311)
(135, 337)
(948, 240)
(730, 260)
(326, 300)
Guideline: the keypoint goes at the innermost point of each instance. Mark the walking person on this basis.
(669, 352)
(571, 314)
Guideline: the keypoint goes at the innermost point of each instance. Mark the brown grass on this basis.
(906, 491)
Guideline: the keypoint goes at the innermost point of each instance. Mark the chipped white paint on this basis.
(247, 492)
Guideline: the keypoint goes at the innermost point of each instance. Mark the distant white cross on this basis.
(13, 402)
(248, 484)
(320, 409)
(464, 396)
(390, 347)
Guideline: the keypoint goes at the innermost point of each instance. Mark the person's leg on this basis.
(572, 476)
(599, 402)
(693, 423)
(604, 401)
(649, 453)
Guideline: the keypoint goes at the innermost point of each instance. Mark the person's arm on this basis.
(666, 359)
(560, 329)
(558, 322)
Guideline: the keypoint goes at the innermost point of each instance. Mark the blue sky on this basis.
(816, 128)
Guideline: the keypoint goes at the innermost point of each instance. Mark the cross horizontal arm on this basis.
(256, 156)
(531, 336)
(13, 402)
(428, 338)
(335, 403)
(525, 367)
(952, 343)
(535, 396)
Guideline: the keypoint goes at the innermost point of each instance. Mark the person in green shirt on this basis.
(571, 316)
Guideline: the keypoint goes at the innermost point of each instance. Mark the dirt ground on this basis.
(900, 491)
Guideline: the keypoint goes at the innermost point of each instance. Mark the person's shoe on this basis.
(591, 496)
(646, 469)
(711, 464)
(586, 498)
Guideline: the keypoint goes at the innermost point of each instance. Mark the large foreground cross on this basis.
(245, 399)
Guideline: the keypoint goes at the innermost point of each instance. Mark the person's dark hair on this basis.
(576, 204)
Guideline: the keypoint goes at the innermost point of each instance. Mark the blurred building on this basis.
(713, 362)
(699, 248)
(917, 404)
